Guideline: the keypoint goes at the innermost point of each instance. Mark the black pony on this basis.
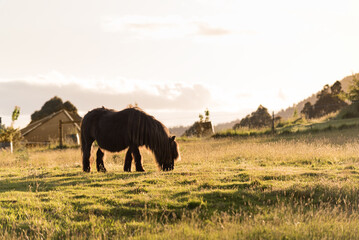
(130, 128)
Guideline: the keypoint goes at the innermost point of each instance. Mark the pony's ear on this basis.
(172, 138)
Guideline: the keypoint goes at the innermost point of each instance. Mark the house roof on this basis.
(34, 125)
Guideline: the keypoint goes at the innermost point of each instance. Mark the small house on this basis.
(47, 129)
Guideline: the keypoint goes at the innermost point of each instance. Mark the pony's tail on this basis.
(82, 138)
(85, 149)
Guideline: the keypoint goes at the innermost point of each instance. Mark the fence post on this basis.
(60, 134)
(273, 130)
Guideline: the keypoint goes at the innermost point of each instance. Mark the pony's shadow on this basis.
(45, 182)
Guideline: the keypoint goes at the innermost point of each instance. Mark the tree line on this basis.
(330, 99)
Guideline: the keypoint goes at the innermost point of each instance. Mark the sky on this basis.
(174, 58)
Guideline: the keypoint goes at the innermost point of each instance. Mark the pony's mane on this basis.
(144, 129)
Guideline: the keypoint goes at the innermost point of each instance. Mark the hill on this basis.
(225, 126)
(285, 114)
(180, 130)
(288, 113)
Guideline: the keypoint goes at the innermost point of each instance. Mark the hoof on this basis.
(102, 170)
(167, 169)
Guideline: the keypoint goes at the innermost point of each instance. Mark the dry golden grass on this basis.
(302, 187)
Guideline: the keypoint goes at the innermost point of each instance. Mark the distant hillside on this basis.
(224, 126)
(178, 131)
(288, 113)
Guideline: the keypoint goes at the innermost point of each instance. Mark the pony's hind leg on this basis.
(99, 161)
(86, 153)
(137, 156)
(128, 161)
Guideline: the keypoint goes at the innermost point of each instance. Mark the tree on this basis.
(11, 134)
(329, 100)
(259, 118)
(353, 94)
(336, 89)
(15, 115)
(205, 117)
(68, 106)
(200, 116)
(53, 105)
(308, 110)
(324, 92)
(206, 113)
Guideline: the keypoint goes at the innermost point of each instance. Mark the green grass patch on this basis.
(263, 187)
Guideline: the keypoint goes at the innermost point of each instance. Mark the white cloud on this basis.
(144, 26)
(204, 29)
(173, 26)
(117, 93)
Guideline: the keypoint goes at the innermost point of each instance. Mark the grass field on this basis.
(289, 187)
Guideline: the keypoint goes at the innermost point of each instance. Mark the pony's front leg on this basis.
(128, 161)
(137, 156)
(99, 161)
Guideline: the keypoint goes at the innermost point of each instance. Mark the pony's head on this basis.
(173, 154)
(174, 149)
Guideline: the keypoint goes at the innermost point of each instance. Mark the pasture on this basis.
(304, 186)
